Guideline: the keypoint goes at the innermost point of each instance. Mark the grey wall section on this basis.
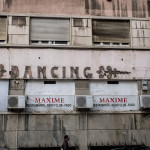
(91, 129)
(3, 94)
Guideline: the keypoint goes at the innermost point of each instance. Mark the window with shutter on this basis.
(111, 32)
(49, 31)
(3, 30)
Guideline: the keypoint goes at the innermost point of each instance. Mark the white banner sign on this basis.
(116, 103)
(46, 103)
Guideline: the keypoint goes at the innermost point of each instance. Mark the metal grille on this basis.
(3, 28)
(13, 102)
(81, 101)
(111, 31)
(146, 101)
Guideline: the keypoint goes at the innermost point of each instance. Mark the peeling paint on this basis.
(2, 70)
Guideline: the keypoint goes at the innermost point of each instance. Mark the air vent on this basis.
(15, 102)
(83, 101)
(145, 101)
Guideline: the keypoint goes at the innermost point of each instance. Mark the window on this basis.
(3, 30)
(49, 31)
(19, 21)
(111, 32)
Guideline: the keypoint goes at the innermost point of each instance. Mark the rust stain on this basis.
(138, 9)
(53, 72)
(114, 8)
(41, 70)
(148, 5)
(14, 72)
(87, 6)
(134, 7)
(2, 70)
(74, 70)
(118, 8)
(124, 12)
(7, 5)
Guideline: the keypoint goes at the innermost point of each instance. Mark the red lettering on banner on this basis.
(48, 100)
(37, 100)
(62, 100)
(113, 100)
(43, 100)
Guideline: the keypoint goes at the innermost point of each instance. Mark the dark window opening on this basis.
(112, 82)
(19, 21)
(2, 41)
(97, 43)
(78, 22)
(45, 42)
(49, 82)
(60, 42)
(116, 44)
(125, 44)
(106, 43)
(35, 42)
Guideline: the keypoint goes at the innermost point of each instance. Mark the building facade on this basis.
(75, 67)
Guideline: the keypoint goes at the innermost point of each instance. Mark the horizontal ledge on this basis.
(75, 113)
(75, 47)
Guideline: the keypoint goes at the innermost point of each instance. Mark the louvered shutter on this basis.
(49, 29)
(111, 31)
(3, 28)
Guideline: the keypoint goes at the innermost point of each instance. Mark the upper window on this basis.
(49, 31)
(19, 21)
(3, 30)
(111, 32)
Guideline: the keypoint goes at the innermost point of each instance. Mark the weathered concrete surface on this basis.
(116, 8)
(84, 129)
(140, 33)
(121, 65)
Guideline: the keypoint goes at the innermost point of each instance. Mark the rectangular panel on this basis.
(60, 88)
(48, 103)
(123, 88)
(116, 103)
(49, 29)
(111, 31)
(4, 93)
(3, 28)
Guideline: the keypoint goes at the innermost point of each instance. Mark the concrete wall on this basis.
(126, 65)
(18, 33)
(114, 8)
(98, 129)
(4, 85)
